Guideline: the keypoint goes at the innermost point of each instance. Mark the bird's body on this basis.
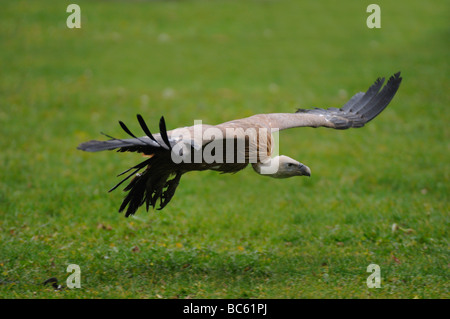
(229, 147)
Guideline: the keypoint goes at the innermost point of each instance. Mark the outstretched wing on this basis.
(152, 184)
(360, 109)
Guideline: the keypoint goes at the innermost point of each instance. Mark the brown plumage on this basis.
(229, 147)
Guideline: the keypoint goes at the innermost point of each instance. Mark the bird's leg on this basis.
(170, 191)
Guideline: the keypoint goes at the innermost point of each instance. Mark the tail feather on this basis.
(129, 144)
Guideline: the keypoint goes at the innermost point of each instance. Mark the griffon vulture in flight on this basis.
(229, 147)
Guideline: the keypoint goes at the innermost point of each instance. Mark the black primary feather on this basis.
(137, 168)
(163, 132)
(362, 107)
(125, 128)
(145, 127)
(365, 98)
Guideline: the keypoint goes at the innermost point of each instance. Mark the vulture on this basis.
(228, 147)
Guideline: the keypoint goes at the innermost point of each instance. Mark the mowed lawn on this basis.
(377, 195)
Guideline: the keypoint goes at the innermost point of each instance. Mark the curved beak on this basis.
(305, 171)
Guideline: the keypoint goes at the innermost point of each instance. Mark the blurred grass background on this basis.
(224, 236)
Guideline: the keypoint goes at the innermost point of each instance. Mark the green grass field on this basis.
(224, 236)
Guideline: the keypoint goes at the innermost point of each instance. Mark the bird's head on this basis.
(282, 167)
